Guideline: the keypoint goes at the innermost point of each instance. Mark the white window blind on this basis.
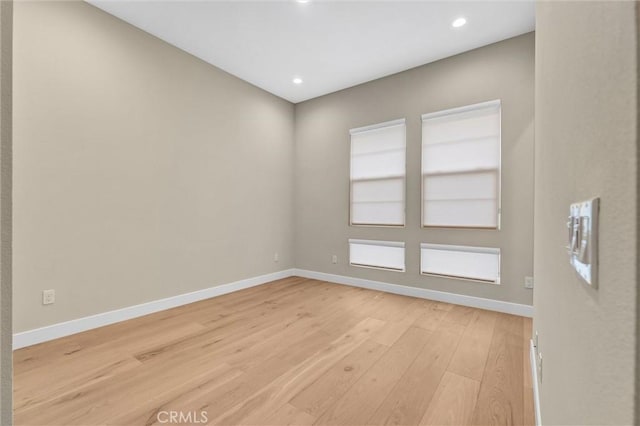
(473, 263)
(378, 174)
(461, 167)
(377, 254)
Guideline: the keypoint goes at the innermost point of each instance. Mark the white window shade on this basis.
(378, 174)
(462, 199)
(377, 254)
(472, 263)
(461, 167)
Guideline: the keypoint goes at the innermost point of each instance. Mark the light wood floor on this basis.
(295, 351)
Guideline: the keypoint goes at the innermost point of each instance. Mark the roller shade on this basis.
(377, 254)
(473, 263)
(461, 167)
(378, 174)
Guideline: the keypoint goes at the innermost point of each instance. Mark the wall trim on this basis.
(67, 328)
(534, 381)
(62, 329)
(423, 293)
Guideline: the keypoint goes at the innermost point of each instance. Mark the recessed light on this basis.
(458, 22)
(297, 80)
(302, 1)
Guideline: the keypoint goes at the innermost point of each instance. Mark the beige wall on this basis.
(6, 12)
(586, 146)
(637, 331)
(141, 172)
(503, 71)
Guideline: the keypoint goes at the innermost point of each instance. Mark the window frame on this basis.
(397, 122)
(498, 170)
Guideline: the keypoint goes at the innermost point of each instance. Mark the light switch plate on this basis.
(583, 239)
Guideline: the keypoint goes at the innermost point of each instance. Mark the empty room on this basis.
(314, 212)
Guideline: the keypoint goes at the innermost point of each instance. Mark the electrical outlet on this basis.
(528, 282)
(276, 257)
(48, 297)
(334, 259)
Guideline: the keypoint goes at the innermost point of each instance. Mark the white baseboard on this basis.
(534, 381)
(55, 331)
(423, 293)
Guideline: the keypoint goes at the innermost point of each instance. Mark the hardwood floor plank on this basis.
(408, 400)
(454, 401)
(511, 329)
(392, 331)
(132, 339)
(391, 307)
(34, 391)
(216, 400)
(526, 336)
(44, 353)
(295, 351)
(171, 399)
(528, 405)
(90, 365)
(442, 305)
(288, 415)
(500, 400)
(286, 334)
(432, 316)
(316, 398)
(371, 389)
(286, 386)
(460, 314)
(239, 332)
(100, 402)
(471, 356)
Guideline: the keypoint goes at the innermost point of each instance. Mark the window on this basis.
(461, 167)
(378, 174)
(377, 254)
(472, 263)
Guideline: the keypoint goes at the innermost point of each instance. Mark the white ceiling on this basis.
(331, 45)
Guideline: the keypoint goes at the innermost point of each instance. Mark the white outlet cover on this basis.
(528, 282)
(48, 297)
